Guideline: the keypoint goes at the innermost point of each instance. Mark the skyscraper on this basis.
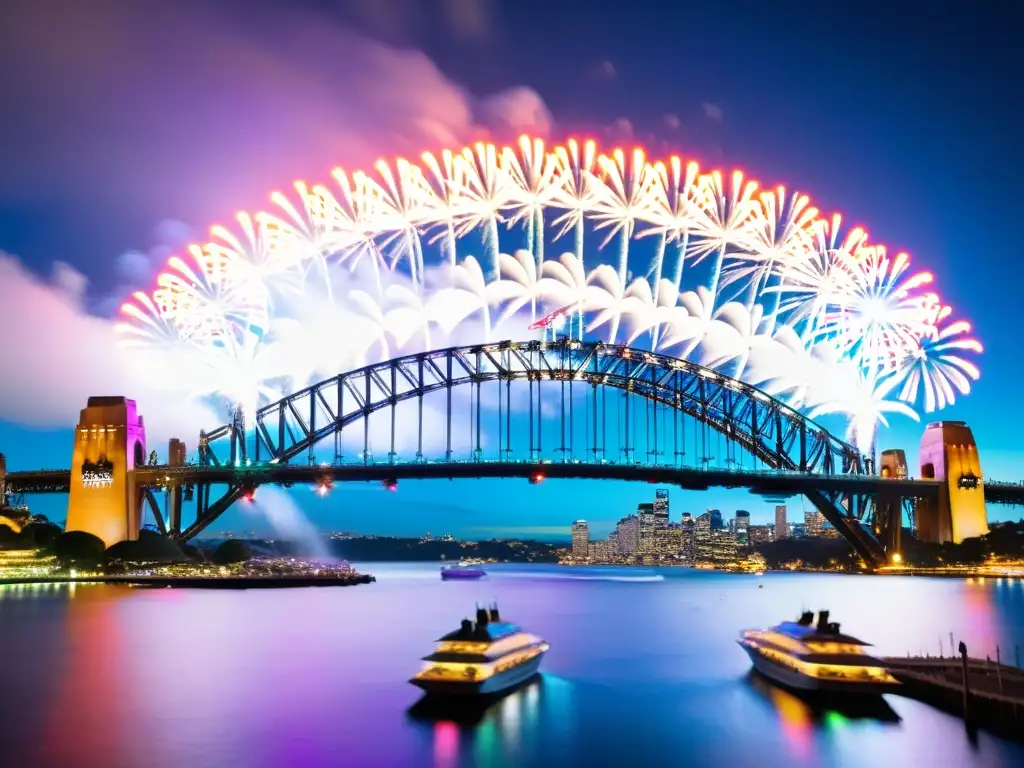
(662, 544)
(647, 540)
(741, 526)
(628, 530)
(813, 520)
(580, 539)
(781, 526)
(686, 537)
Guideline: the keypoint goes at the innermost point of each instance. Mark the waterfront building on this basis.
(741, 527)
(828, 531)
(706, 530)
(661, 543)
(601, 551)
(580, 539)
(760, 534)
(673, 540)
(686, 527)
(781, 527)
(647, 544)
(627, 534)
(813, 521)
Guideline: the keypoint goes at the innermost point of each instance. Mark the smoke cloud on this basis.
(185, 114)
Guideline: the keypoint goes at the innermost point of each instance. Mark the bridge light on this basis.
(391, 485)
(897, 558)
(536, 478)
(249, 495)
(323, 487)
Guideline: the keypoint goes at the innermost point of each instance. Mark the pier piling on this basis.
(967, 687)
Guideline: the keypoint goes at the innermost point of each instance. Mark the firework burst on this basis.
(824, 320)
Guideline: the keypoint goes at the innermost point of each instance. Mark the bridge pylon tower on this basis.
(889, 506)
(110, 441)
(948, 452)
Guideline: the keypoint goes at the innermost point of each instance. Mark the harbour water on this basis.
(643, 670)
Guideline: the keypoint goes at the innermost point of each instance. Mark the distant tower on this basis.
(3, 481)
(781, 526)
(580, 539)
(948, 452)
(110, 441)
(742, 526)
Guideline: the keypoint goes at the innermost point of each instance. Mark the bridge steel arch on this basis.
(772, 432)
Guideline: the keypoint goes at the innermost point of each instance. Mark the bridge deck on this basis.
(767, 482)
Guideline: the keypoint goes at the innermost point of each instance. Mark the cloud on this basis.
(187, 113)
(515, 111)
(61, 356)
(184, 111)
(404, 21)
(604, 70)
(621, 130)
(672, 121)
(712, 112)
(470, 20)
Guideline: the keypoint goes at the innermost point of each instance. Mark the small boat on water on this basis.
(485, 659)
(462, 571)
(810, 656)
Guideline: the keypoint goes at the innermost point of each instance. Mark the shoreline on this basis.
(200, 582)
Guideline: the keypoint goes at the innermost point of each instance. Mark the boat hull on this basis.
(462, 574)
(790, 678)
(496, 685)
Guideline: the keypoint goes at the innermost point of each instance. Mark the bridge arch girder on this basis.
(770, 430)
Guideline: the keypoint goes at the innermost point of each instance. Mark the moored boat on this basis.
(462, 571)
(810, 656)
(487, 658)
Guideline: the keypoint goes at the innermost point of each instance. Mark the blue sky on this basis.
(904, 122)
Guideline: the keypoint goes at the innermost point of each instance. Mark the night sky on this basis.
(129, 128)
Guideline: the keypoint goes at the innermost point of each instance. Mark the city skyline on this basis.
(722, 127)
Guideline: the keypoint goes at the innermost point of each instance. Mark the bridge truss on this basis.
(660, 399)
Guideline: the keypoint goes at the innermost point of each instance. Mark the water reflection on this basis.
(478, 731)
(803, 716)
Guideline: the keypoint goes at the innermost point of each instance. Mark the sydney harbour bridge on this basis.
(533, 410)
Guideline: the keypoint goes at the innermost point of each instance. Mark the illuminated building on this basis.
(580, 539)
(673, 540)
(627, 533)
(711, 542)
(662, 546)
(647, 543)
(760, 534)
(741, 526)
(813, 522)
(781, 526)
(601, 551)
(686, 527)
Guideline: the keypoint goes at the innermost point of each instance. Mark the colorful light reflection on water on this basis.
(639, 672)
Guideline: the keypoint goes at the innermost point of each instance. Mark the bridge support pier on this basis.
(175, 458)
(110, 441)
(888, 517)
(948, 452)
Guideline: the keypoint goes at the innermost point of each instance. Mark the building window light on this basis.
(98, 474)
(968, 481)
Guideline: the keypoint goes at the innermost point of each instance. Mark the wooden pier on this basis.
(993, 700)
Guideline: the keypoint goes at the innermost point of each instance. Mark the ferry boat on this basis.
(484, 659)
(462, 571)
(810, 656)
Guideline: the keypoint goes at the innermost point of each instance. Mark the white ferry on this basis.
(488, 658)
(816, 657)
